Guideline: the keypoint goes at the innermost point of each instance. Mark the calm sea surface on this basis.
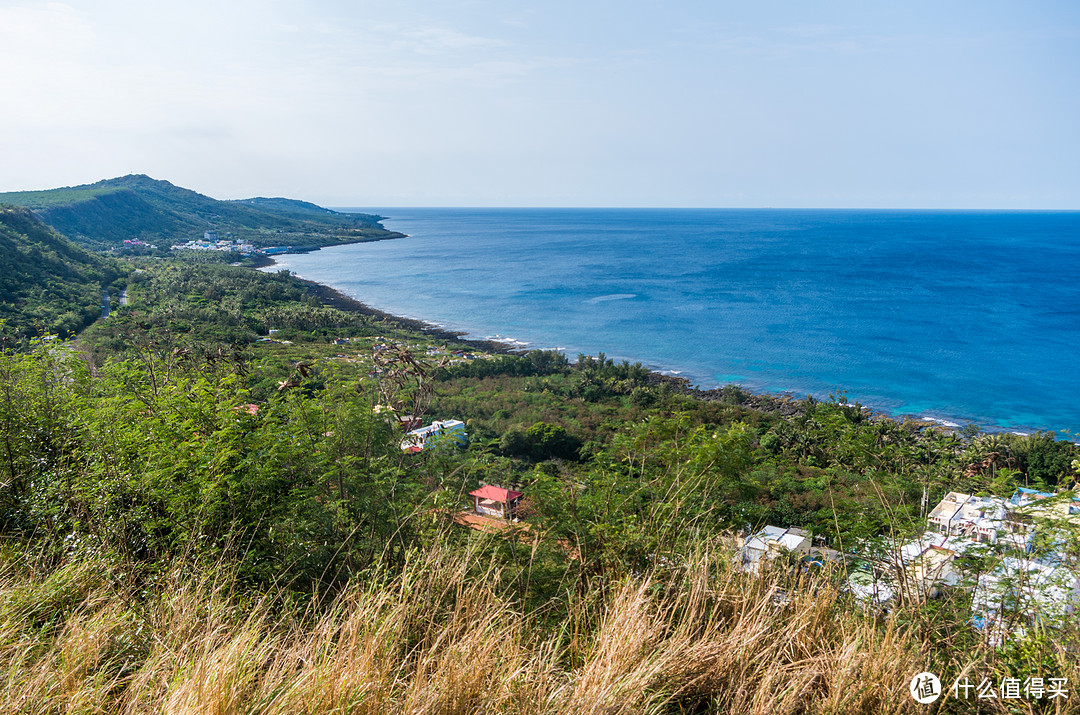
(954, 315)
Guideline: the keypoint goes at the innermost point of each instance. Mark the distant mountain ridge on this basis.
(105, 213)
(48, 284)
(290, 206)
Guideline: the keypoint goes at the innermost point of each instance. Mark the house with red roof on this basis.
(496, 501)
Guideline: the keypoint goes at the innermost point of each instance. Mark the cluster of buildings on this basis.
(136, 243)
(1018, 557)
(211, 242)
(455, 355)
(1022, 566)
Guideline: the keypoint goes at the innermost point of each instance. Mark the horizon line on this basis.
(694, 208)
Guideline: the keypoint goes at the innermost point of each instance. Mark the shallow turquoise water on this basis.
(955, 315)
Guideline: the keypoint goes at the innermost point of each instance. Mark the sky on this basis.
(808, 103)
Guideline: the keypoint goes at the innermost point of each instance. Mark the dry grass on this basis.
(433, 639)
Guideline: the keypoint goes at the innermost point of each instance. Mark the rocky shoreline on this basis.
(336, 299)
(784, 405)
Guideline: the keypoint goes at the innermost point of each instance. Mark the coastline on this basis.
(783, 404)
(888, 381)
(336, 299)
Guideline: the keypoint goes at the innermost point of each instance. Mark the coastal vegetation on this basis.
(206, 508)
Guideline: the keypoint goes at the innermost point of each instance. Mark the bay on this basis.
(959, 316)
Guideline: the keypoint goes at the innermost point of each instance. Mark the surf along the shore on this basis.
(908, 312)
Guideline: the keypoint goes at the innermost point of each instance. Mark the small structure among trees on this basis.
(448, 430)
(496, 501)
(769, 543)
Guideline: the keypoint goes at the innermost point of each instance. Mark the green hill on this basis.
(47, 283)
(104, 214)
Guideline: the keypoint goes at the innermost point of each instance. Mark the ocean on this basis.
(958, 316)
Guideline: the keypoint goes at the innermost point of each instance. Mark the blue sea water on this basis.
(961, 316)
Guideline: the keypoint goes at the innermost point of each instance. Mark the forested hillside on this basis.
(106, 213)
(47, 283)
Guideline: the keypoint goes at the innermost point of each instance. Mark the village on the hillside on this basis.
(210, 241)
(1018, 558)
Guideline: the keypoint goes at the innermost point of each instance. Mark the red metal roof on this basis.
(495, 493)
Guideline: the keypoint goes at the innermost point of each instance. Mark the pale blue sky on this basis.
(635, 103)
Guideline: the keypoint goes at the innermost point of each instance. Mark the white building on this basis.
(770, 542)
(982, 519)
(450, 430)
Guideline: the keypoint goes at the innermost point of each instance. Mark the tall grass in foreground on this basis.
(442, 637)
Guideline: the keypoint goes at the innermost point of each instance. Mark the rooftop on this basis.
(495, 493)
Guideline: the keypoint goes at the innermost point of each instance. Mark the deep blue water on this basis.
(955, 315)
